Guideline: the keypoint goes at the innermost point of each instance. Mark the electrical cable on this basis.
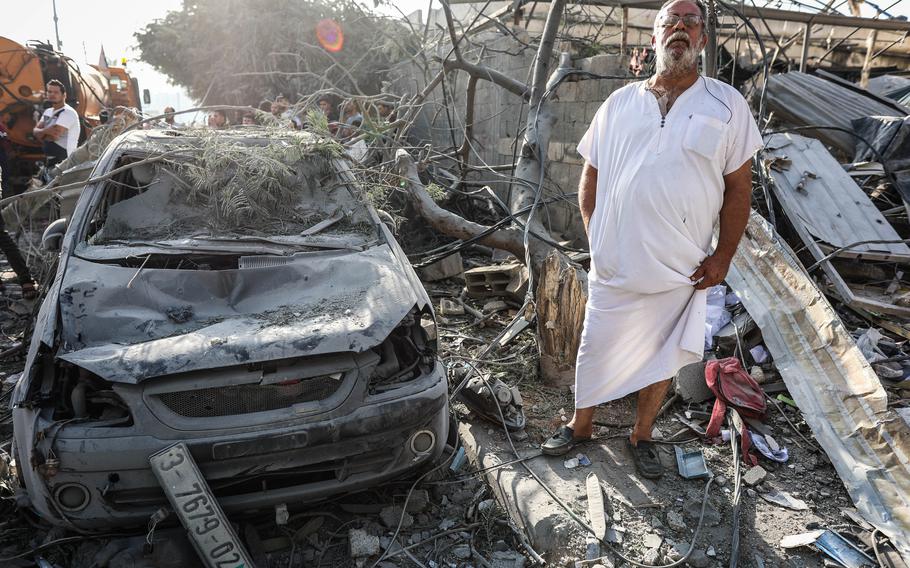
(578, 519)
(404, 506)
(737, 494)
(705, 83)
(63, 540)
(764, 53)
(837, 251)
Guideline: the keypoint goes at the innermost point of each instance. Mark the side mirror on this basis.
(146, 97)
(52, 239)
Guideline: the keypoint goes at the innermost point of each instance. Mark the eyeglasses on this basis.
(689, 20)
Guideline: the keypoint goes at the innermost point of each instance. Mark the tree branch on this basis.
(445, 221)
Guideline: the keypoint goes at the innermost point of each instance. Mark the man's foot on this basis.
(562, 441)
(647, 461)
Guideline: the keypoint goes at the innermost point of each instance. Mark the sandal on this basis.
(562, 441)
(29, 291)
(646, 458)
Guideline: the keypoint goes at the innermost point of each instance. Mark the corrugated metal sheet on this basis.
(815, 190)
(803, 100)
(839, 394)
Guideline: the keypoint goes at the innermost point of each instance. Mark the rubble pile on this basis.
(803, 465)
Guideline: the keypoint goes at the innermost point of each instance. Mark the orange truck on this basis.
(24, 71)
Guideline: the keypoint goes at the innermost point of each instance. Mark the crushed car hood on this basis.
(129, 324)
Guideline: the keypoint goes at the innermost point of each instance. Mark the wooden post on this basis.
(804, 57)
(624, 31)
(711, 47)
(867, 63)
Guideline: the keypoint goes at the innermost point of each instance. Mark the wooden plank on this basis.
(825, 200)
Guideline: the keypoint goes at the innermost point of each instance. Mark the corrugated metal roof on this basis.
(807, 100)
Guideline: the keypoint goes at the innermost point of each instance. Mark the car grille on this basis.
(247, 399)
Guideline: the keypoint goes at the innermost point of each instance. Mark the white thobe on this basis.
(660, 188)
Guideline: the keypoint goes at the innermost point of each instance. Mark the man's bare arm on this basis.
(734, 214)
(587, 193)
(38, 130)
(54, 132)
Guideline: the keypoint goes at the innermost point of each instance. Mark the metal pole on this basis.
(56, 29)
(804, 57)
(624, 31)
(867, 63)
(711, 47)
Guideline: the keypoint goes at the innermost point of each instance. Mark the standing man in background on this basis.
(58, 130)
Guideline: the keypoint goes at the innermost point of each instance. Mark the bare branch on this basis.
(447, 222)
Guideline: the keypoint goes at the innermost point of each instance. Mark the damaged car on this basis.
(237, 292)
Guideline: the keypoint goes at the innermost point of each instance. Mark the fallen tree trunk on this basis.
(445, 221)
(561, 296)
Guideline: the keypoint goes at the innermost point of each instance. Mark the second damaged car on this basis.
(235, 291)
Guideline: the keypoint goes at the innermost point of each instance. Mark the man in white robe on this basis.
(665, 160)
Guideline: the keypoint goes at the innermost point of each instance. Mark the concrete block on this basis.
(591, 109)
(362, 544)
(755, 475)
(587, 90)
(573, 158)
(392, 515)
(691, 385)
(601, 64)
(555, 151)
(568, 91)
(448, 267)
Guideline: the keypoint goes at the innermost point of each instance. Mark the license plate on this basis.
(209, 530)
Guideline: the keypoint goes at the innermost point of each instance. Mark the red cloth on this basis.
(734, 387)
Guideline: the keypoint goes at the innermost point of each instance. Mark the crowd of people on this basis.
(58, 130)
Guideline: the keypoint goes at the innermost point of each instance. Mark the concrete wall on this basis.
(500, 116)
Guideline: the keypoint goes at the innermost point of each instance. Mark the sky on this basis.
(86, 25)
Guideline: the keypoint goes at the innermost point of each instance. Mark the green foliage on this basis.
(240, 183)
(244, 51)
(318, 123)
(436, 192)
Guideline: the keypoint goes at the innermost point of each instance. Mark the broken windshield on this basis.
(285, 192)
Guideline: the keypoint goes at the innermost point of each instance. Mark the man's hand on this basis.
(710, 272)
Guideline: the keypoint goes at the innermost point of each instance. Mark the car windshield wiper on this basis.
(162, 246)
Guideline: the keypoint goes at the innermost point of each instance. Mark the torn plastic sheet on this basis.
(834, 386)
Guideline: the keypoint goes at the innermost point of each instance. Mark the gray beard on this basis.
(668, 66)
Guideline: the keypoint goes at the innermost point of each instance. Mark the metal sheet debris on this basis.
(827, 209)
(890, 141)
(842, 551)
(841, 398)
(807, 100)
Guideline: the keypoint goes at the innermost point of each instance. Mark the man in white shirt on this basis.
(58, 129)
(665, 161)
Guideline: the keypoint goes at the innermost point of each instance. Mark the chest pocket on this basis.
(705, 135)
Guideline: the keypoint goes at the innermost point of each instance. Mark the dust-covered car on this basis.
(235, 291)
